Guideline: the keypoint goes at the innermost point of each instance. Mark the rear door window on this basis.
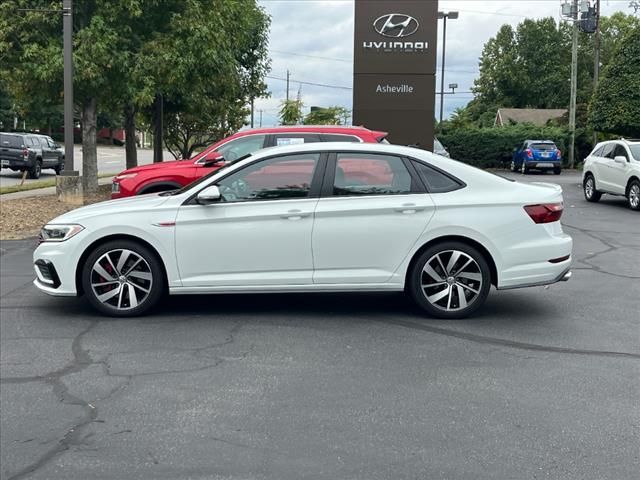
(544, 147)
(371, 174)
(11, 141)
(437, 181)
(283, 139)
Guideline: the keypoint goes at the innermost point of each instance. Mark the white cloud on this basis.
(324, 28)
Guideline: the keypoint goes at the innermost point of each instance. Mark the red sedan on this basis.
(158, 177)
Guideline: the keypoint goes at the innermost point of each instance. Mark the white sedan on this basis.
(327, 217)
(613, 168)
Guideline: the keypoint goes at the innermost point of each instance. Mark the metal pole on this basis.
(67, 34)
(260, 118)
(287, 85)
(251, 112)
(444, 44)
(596, 60)
(574, 76)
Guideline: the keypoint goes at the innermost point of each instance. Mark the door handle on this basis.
(294, 215)
(408, 209)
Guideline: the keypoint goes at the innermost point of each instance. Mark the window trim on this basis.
(417, 185)
(455, 179)
(314, 190)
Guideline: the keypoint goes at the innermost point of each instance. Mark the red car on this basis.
(158, 177)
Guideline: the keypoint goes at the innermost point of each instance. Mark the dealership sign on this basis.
(394, 68)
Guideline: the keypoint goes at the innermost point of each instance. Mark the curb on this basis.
(37, 192)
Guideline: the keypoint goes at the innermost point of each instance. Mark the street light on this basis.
(444, 16)
(453, 87)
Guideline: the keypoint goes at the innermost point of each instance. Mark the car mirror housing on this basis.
(209, 162)
(209, 195)
(620, 159)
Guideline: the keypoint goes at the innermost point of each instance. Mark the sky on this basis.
(313, 39)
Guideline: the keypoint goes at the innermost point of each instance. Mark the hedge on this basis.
(493, 147)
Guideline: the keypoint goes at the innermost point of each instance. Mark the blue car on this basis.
(537, 155)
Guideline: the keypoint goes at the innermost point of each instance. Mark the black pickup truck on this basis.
(30, 152)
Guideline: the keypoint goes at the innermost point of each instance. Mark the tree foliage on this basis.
(291, 112)
(335, 115)
(616, 104)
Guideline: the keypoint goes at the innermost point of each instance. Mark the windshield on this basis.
(203, 179)
(635, 151)
(545, 147)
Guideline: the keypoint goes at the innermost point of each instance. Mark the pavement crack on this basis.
(510, 343)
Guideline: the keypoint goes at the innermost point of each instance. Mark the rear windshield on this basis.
(545, 147)
(11, 141)
(635, 151)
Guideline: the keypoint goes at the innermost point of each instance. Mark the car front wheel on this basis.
(450, 280)
(589, 187)
(634, 195)
(122, 278)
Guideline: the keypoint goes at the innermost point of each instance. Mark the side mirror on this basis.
(209, 162)
(209, 195)
(620, 159)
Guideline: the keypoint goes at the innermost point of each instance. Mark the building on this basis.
(536, 116)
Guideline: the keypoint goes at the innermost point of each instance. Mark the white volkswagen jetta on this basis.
(322, 217)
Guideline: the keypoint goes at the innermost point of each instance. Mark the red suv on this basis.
(158, 177)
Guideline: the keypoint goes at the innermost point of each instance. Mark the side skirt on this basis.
(370, 287)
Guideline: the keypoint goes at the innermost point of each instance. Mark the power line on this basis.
(341, 87)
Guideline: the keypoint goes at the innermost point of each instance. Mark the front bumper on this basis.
(55, 267)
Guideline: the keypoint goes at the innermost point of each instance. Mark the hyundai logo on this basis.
(396, 25)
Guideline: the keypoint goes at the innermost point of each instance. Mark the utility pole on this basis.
(574, 81)
(287, 85)
(444, 16)
(251, 112)
(260, 117)
(596, 60)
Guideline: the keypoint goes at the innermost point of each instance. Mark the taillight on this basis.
(529, 153)
(25, 153)
(558, 154)
(545, 213)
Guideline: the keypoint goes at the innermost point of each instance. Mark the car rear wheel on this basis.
(633, 195)
(450, 280)
(589, 187)
(34, 172)
(122, 279)
(557, 171)
(523, 168)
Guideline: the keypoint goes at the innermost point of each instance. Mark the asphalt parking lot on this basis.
(542, 383)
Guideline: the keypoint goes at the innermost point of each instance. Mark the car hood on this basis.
(111, 207)
(172, 164)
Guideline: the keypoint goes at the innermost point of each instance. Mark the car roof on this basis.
(350, 129)
(540, 141)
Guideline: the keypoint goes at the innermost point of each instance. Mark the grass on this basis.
(39, 184)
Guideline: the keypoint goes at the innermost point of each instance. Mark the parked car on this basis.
(30, 152)
(537, 155)
(614, 168)
(170, 175)
(439, 149)
(321, 217)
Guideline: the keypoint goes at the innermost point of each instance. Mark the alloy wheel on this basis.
(589, 187)
(121, 279)
(634, 196)
(451, 280)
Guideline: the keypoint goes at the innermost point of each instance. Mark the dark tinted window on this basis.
(437, 182)
(545, 147)
(272, 179)
(608, 149)
(370, 174)
(11, 141)
(282, 139)
(339, 138)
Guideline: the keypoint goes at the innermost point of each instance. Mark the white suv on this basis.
(614, 168)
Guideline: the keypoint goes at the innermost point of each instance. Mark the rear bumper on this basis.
(543, 164)
(565, 276)
(15, 163)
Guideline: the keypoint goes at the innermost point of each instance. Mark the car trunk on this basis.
(11, 148)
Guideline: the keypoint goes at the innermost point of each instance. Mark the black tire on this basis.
(36, 170)
(633, 195)
(589, 189)
(151, 265)
(426, 296)
(557, 171)
(59, 168)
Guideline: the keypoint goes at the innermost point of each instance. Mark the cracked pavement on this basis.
(543, 383)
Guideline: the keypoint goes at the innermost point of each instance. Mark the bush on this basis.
(493, 147)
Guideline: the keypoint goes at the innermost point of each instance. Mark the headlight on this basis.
(59, 233)
(124, 176)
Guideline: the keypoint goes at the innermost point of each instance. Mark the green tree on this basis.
(291, 112)
(616, 104)
(335, 115)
